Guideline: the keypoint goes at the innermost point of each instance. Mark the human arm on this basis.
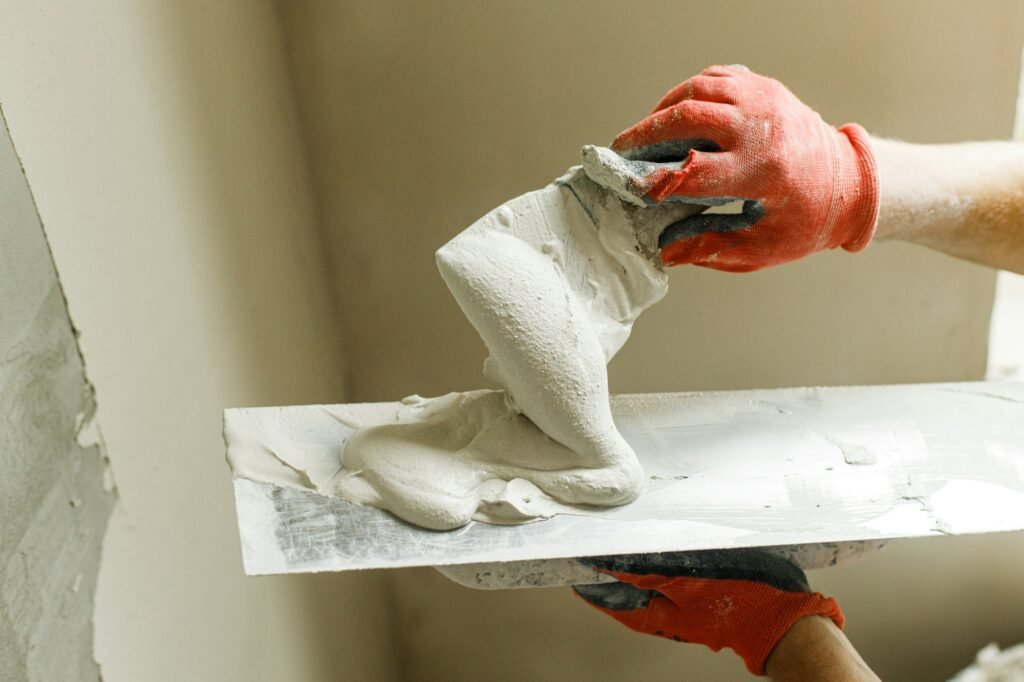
(966, 199)
(753, 602)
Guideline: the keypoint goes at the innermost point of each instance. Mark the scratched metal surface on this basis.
(727, 469)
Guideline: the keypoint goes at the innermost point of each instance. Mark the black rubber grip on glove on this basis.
(719, 564)
(698, 224)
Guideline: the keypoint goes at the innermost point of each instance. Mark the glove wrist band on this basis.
(856, 189)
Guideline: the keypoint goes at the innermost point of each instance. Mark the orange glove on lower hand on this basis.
(729, 134)
(742, 599)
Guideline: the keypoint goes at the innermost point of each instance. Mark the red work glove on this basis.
(807, 186)
(743, 599)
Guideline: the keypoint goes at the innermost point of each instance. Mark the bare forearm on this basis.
(815, 649)
(965, 199)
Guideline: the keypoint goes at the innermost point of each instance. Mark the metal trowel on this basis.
(818, 474)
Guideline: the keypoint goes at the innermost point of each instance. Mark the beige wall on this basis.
(161, 146)
(420, 117)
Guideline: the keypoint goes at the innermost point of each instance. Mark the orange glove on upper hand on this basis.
(744, 599)
(730, 134)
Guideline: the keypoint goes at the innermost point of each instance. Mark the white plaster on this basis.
(967, 506)
(552, 281)
(993, 665)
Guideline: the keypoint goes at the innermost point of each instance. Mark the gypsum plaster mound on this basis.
(552, 281)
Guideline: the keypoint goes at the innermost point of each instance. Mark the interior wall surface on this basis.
(55, 491)
(421, 117)
(161, 144)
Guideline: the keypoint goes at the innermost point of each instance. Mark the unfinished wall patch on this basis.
(54, 501)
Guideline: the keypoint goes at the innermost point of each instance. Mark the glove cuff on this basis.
(853, 215)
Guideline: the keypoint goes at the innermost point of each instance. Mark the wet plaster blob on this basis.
(553, 282)
(55, 496)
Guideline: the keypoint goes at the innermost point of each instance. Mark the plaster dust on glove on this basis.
(552, 281)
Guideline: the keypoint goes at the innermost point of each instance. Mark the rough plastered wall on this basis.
(55, 491)
(160, 143)
(422, 116)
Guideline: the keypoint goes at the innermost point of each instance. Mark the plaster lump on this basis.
(552, 281)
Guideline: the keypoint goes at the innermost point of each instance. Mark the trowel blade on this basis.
(811, 468)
